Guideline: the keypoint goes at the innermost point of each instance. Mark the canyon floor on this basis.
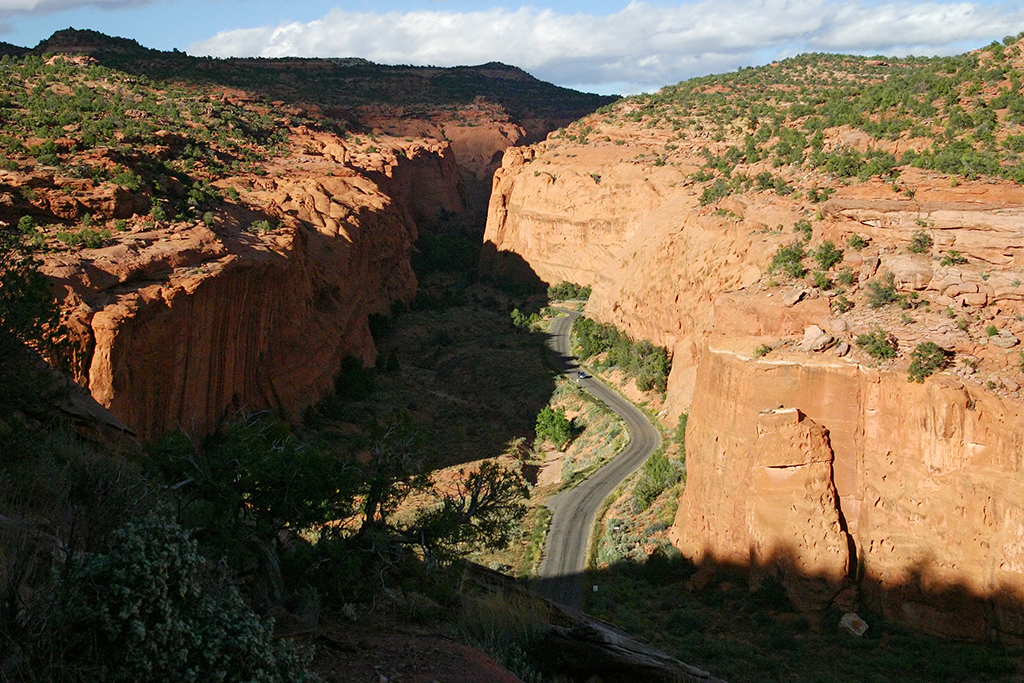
(722, 622)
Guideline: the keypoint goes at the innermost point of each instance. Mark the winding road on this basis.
(574, 511)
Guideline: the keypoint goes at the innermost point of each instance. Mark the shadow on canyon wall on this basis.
(740, 623)
(508, 266)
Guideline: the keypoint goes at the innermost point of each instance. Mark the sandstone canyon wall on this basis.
(805, 456)
(221, 229)
(183, 324)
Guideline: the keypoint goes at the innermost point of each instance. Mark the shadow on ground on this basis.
(453, 361)
(740, 625)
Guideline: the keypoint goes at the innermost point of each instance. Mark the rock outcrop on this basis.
(920, 482)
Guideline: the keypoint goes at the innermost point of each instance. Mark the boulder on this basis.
(794, 297)
(1004, 340)
(815, 339)
(852, 623)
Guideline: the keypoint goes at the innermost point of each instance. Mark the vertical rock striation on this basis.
(920, 482)
(183, 325)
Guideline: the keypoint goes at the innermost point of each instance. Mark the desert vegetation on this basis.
(744, 632)
(180, 550)
(568, 290)
(969, 105)
(649, 365)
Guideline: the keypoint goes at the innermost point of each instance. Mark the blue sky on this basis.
(607, 46)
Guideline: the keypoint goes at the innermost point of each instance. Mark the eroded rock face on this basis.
(906, 491)
(925, 477)
(478, 134)
(182, 325)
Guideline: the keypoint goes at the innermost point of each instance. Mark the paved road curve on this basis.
(574, 511)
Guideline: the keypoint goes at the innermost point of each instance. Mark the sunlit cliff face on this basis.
(674, 207)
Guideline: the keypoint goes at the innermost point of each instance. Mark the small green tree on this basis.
(857, 242)
(920, 242)
(827, 255)
(483, 510)
(882, 291)
(878, 344)
(554, 427)
(927, 359)
(657, 474)
(821, 280)
(254, 480)
(789, 259)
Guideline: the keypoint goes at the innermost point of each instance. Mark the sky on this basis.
(604, 46)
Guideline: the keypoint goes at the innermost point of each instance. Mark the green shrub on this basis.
(845, 277)
(657, 474)
(821, 280)
(857, 242)
(157, 212)
(714, 192)
(789, 259)
(920, 242)
(840, 304)
(86, 238)
(927, 359)
(568, 290)
(878, 344)
(554, 427)
(818, 195)
(782, 188)
(827, 255)
(520, 319)
(991, 330)
(649, 365)
(952, 258)
(142, 611)
(882, 292)
(804, 227)
(762, 351)
(679, 437)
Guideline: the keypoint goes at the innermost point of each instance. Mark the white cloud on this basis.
(642, 46)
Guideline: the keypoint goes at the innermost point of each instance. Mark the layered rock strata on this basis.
(807, 457)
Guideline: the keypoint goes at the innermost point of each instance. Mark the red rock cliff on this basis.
(808, 458)
(181, 324)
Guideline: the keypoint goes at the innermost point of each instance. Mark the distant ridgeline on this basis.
(342, 82)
